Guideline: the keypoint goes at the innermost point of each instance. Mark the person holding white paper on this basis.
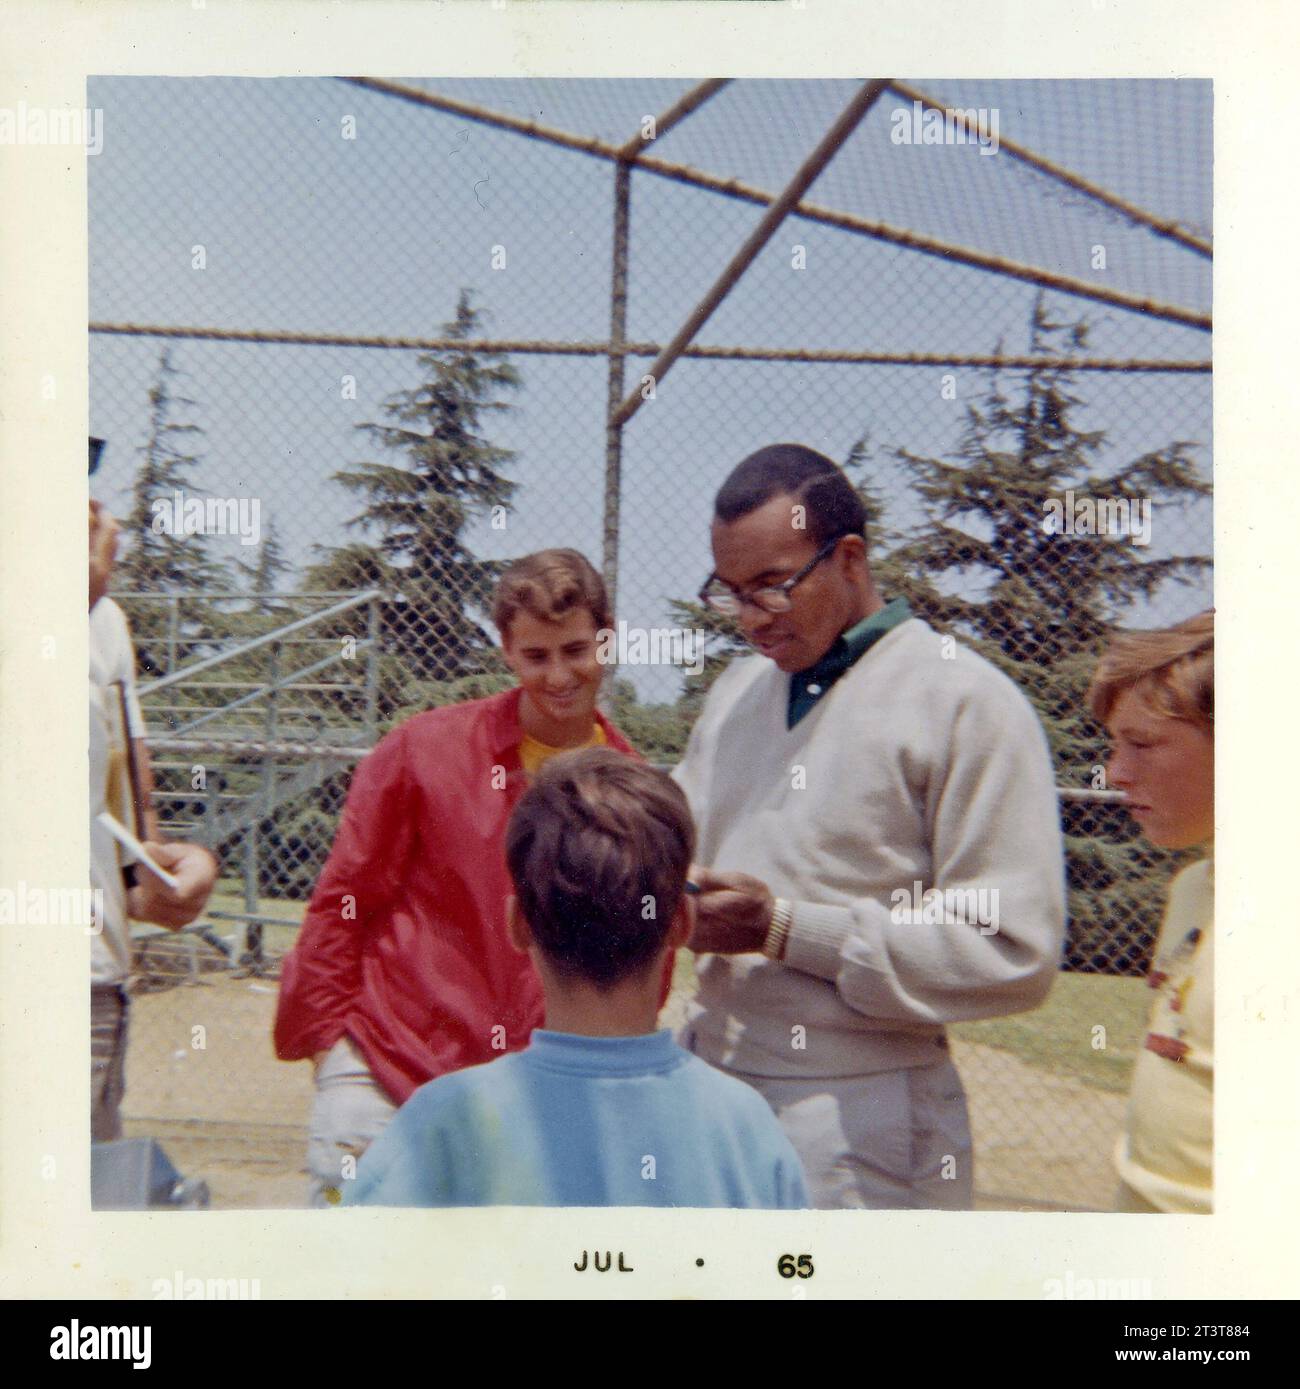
(115, 875)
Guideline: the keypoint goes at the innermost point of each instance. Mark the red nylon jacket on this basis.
(404, 946)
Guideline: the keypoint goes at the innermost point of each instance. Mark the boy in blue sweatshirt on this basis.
(600, 1109)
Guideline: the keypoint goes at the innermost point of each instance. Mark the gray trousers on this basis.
(109, 1012)
(896, 1140)
(350, 1111)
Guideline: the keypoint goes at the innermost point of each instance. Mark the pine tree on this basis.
(988, 566)
(449, 475)
(264, 574)
(1037, 603)
(156, 560)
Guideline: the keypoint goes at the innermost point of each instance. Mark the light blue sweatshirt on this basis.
(583, 1121)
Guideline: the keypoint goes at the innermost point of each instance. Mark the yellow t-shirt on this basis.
(1166, 1154)
(534, 754)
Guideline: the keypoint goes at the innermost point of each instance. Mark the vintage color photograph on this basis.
(651, 643)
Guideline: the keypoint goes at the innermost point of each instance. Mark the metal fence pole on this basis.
(252, 955)
(683, 107)
(210, 813)
(250, 885)
(617, 337)
(371, 714)
(173, 631)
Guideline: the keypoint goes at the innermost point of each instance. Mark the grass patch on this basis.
(1058, 1036)
(227, 898)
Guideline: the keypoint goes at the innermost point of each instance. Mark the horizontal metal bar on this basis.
(266, 690)
(255, 916)
(828, 355)
(185, 672)
(260, 748)
(233, 596)
(287, 641)
(258, 684)
(308, 716)
(206, 795)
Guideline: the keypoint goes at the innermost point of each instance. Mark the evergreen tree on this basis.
(157, 560)
(265, 572)
(1037, 603)
(657, 731)
(988, 566)
(447, 476)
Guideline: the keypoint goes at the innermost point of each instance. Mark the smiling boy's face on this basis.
(558, 665)
(1165, 767)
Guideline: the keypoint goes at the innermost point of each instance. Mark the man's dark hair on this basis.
(598, 847)
(833, 507)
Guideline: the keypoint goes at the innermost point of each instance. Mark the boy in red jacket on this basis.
(403, 970)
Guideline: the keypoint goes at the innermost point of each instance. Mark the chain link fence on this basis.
(401, 333)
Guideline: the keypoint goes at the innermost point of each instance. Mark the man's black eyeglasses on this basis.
(771, 598)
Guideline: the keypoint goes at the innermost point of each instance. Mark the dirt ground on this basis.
(203, 1079)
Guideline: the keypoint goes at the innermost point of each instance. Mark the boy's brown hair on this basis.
(1171, 671)
(599, 848)
(547, 585)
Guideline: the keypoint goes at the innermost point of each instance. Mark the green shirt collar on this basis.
(809, 686)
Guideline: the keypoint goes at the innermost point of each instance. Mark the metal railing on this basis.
(258, 754)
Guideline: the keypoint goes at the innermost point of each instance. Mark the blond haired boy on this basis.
(1154, 691)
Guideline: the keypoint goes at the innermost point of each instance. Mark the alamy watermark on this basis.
(41, 125)
(651, 646)
(1113, 516)
(178, 1288)
(182, 515)
(954, 125)
(955, 906)
(53, 906)
(73, 1341)
(1072, 1289)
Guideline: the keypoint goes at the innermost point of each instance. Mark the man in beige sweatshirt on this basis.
(879, 850)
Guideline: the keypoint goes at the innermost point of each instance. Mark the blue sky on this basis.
(305, 230)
